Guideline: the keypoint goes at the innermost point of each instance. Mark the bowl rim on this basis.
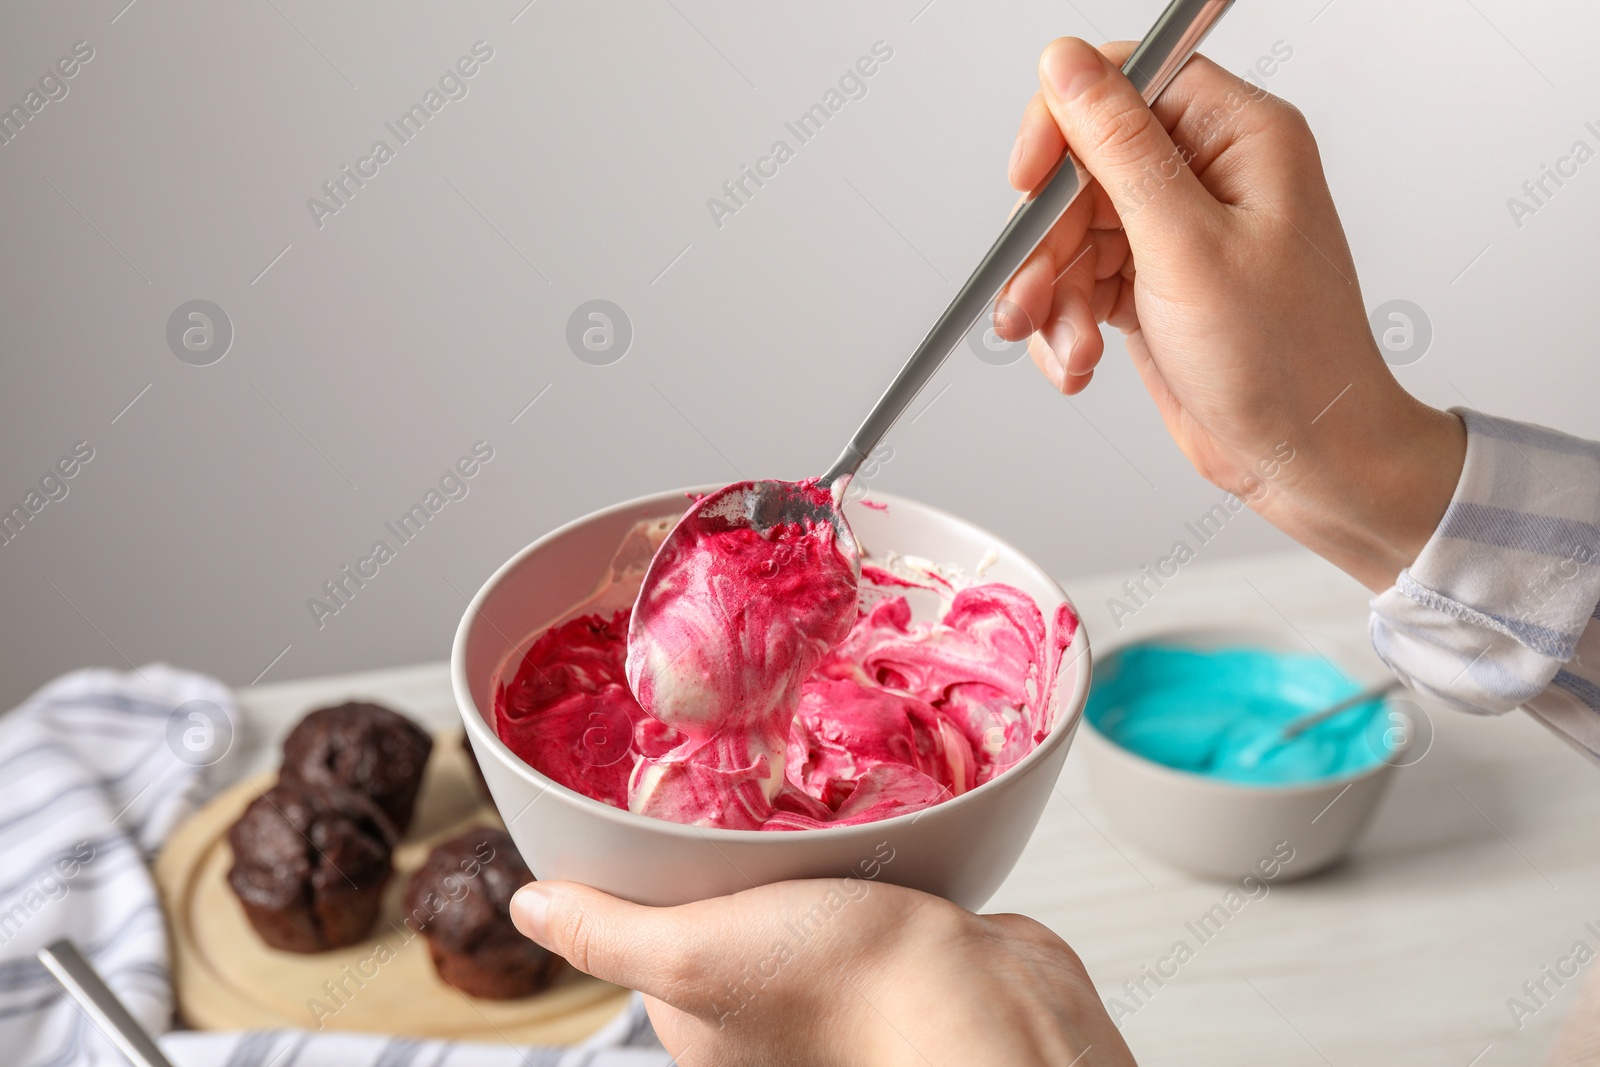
(476, 724)
(1250, 636)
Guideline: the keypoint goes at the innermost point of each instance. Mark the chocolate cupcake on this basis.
(310, 864)
(460, 899)
(364, 747)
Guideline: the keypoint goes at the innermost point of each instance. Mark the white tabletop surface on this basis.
(1478, 871)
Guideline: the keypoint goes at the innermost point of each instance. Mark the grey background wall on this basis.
(372, 350)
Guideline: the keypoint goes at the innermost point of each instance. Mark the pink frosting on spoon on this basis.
(728, 625)
(896, 716)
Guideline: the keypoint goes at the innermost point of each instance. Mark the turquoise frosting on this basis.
(1219, 713)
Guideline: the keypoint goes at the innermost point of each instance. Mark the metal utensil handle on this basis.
(1366, 696)
(85, 986)
(1163, 52)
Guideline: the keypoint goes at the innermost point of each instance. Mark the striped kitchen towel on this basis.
(99, 766)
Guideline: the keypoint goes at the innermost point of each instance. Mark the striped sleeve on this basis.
(1499, 609)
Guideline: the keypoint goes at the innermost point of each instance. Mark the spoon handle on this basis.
(1159, 57)
(1366, 696)
(83, 984)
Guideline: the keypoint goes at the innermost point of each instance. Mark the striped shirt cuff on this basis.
(1495, 607)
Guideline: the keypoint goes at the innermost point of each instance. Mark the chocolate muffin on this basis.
(364, 747)
(460, 899)
(310, 864)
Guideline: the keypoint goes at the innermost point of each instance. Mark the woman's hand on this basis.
(1210, 238)
(837, 971)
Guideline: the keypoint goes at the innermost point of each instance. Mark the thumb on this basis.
(1118, 139)
(623, 943)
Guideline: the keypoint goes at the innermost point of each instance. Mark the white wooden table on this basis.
(1482, 866)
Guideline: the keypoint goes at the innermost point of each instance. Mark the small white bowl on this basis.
(961, 849)
(1224, 830)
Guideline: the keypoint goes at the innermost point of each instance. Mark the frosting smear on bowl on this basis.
(799, 720)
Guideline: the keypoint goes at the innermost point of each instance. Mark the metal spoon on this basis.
(1176, 35)
(84, 985)
(1316, 718)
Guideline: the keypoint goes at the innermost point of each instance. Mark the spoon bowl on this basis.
(763, 506)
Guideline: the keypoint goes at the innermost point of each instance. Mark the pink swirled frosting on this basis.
(768, 699)
(727, 627)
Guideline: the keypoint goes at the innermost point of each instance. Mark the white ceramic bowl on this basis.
(961, 849)
(1225, 830)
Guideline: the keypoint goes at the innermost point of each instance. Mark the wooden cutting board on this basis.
(226, 978)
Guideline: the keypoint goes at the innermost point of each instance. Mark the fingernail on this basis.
(1004, 311)
(529, 906)
(1058, 372)
(1062, 337)
(1066, 77)
(1016, 156)
(1007, 316)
